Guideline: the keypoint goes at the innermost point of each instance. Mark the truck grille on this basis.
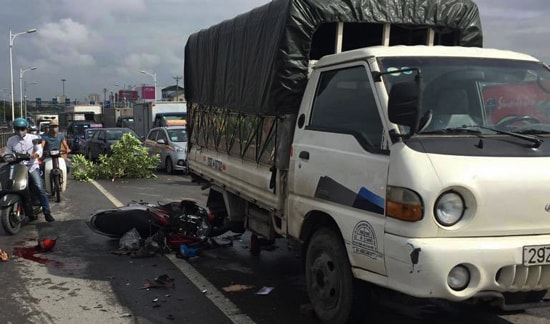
(522, 278)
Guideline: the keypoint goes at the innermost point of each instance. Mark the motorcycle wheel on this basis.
(12, 217)
(57, 188)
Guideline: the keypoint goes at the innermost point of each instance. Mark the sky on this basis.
(104, 44)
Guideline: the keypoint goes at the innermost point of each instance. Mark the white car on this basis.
(170, 143)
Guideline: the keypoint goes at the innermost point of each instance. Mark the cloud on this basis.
(103, 10)
(67, 42)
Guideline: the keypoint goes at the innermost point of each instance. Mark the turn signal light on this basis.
(403, 204)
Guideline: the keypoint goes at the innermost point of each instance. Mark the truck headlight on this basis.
(449, 208)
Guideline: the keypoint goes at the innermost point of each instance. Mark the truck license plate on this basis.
(536, 255)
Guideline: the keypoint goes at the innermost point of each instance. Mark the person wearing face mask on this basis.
(24, 143)
(53, 140)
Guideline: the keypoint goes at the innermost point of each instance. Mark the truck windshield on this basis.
(458, 93)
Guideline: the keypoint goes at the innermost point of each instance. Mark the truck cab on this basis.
(440, 142)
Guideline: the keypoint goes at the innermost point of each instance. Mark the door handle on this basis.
(304, 155)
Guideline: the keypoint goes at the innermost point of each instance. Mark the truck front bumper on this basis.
(421, 267)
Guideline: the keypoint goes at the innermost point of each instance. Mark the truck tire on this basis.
(329, 278)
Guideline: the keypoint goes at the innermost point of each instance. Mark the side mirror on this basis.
(403, 104)
(161, 141)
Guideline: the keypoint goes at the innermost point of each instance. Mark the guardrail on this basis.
(4, 139)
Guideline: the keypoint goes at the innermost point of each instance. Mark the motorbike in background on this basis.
(55, 173)
(16, 199)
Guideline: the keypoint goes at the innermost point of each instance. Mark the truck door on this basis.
(339, 165)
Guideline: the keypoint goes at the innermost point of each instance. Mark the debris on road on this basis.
(237, 288)
(159, 282)
(45, 245)
(4, 256)
(265, 290)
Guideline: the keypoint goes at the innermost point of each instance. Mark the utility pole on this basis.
(177, 78)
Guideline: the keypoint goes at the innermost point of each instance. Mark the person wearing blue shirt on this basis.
(53, 140)
(24, 143)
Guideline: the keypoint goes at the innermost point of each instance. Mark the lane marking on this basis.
(107, 194)
(216, 297)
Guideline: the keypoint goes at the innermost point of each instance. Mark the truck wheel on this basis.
(169, 166)
(328, 277)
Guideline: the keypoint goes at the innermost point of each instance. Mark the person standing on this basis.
(24, 143)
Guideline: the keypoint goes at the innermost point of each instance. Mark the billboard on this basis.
(148, 92)
(130, 95)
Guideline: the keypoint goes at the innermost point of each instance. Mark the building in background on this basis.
(173, 93)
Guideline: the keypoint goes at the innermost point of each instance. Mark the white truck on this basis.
(118, 117)
(43, 120)
(83, 112)
(421, 169)
(161, 113)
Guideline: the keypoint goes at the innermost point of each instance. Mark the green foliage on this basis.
(128, 159)
(82, 169)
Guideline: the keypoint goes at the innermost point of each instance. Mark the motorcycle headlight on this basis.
(449, 208)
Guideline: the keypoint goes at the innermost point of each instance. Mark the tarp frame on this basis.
(257, 62)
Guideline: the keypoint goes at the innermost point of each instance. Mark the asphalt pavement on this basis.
(81, 280)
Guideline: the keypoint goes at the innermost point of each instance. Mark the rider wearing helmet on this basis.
(24, 143)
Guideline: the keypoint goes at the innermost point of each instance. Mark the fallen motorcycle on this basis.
(174, 223)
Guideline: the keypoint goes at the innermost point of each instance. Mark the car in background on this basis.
(170, 142)
(75, 131)
(103, 139)
(83, 141)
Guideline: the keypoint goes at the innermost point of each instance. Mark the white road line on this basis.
(107, 194)
(215, 296)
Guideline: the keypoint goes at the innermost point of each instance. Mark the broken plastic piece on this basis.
(265, 290)
(237, 287)
(188, 252)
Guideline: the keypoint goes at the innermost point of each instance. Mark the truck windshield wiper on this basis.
(537, 142)
(454, 130)
(470, 129)
(531, 131)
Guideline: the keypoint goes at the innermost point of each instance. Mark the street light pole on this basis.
(12, 38)
(25, 95)
(154, 76)
(63, 93)
(21, 72)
